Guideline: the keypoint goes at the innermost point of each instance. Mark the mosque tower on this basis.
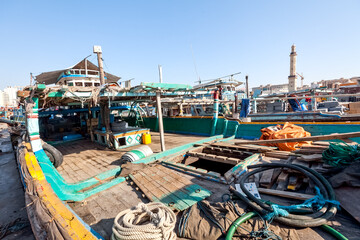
(292, 77)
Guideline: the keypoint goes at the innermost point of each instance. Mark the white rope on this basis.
(152, 221)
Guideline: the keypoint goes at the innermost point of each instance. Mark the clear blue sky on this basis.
(253, 37)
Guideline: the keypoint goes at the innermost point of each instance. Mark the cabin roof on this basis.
(52, 76)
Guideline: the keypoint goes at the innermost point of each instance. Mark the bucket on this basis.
(136, 154)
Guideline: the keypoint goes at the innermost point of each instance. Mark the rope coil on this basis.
(145, 221)
(340, 154)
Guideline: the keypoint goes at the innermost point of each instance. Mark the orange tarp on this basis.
(289, 130)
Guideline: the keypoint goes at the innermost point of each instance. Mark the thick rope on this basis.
(152, 221)
(317, 202)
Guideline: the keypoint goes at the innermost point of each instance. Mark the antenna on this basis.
(227, 76)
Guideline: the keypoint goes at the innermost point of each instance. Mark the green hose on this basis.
(249, 215)
(333, 232)
(237, 223)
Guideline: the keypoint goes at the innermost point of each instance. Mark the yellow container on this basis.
(146, 138)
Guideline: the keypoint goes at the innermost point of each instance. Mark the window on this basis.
(70, 84)
(88, 84)
(96, 84)
(79, 84)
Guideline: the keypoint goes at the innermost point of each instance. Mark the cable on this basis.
(249, 215)
(325, 205)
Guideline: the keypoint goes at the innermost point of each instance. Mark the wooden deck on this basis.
(84, 159)
(161, 184)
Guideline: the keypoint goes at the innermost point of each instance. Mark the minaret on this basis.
(292, 77)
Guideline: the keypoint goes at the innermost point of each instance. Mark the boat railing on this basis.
(82, 72)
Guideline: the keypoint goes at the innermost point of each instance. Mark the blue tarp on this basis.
(295, 105)
(245, 107)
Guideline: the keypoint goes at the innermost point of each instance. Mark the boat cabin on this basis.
(82, 74)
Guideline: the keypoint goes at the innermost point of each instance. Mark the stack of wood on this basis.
(276, 181)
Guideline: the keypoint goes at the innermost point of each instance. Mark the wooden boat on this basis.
(194, 157)
(85, 193)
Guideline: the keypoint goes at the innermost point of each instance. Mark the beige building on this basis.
(335, 83)
(4, 98)
(270, 89)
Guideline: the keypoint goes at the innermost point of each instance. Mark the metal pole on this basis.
(247, 86)
(160, 120)
(160, 74)
(86, 72)
(302, 97)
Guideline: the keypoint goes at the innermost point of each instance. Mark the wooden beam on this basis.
(215, 158)
(285, 194)
(313, 138)
(160, 120)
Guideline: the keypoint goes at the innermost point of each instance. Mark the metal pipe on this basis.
(247, 86)
(160, 120)
(216, 112)
(160, 74)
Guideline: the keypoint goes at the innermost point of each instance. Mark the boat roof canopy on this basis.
(52, 77)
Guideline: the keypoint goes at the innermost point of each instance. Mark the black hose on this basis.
(318, 218)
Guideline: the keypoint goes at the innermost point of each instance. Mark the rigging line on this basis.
(196, 71)
(105, 64)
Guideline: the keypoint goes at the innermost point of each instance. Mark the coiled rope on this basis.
(152, 221)
(341, 154)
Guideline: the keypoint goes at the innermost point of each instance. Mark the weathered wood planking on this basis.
(347, 197)
(215, 158)
(312, 138)
(161, 184)
(248, 147)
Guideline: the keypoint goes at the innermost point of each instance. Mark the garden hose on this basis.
(333, 232)
(320, 216)
(237, 223)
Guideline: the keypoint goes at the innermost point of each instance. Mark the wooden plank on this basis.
(241, 167)
(285, 194)
(321, 143)
(304, 164)
(280, 154)
(346, 195)
(282, 181)
(266, 177)
(245, 147)
(308, 151)
(311, 158)
(312, 138)
(314, 147)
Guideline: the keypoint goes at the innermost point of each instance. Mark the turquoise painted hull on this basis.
(202, 126)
